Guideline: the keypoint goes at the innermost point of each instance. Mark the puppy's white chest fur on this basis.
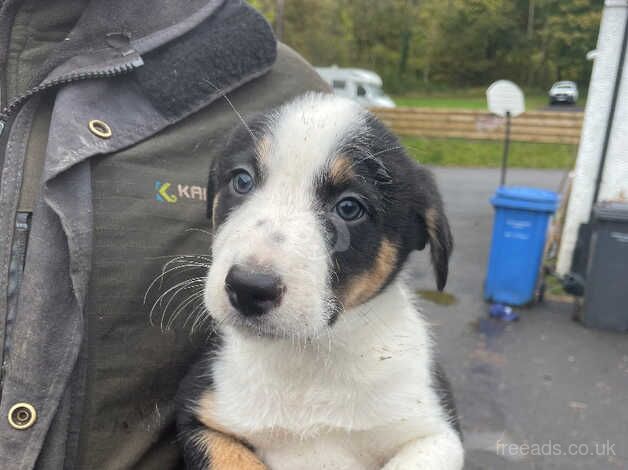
(349, 400)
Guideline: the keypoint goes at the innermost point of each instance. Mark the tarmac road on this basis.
(543, 393)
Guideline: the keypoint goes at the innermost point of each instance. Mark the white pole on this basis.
(598, 107)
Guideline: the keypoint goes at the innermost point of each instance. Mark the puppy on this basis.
(321, 360)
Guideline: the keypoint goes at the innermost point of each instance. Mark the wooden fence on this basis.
(533, 126)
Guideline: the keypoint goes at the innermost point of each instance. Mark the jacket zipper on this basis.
(16, 270)
(14, 104)
(23, 220)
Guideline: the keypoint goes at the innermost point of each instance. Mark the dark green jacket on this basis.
(77, 341)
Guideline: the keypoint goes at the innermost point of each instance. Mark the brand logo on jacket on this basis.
(171, 193)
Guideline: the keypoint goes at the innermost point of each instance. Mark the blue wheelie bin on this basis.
(519, 230)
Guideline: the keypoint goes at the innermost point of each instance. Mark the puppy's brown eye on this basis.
(349, 209)
(242, 182)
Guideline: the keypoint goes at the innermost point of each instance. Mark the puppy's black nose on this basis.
(253, 293)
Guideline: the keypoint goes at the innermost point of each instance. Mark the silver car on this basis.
(563, 92)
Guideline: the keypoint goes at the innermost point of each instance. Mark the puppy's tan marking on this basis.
(225, 453)
(214, 206)
(366, 285)
(204, 411)
(224, 450)
(263, 149)
(341, 170)
(431, 222)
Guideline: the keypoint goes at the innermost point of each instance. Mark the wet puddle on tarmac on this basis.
(491, 328)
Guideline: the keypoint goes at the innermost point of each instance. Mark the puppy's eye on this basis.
(242, 182)
(350, 209)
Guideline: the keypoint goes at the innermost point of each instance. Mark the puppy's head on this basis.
(314, 208)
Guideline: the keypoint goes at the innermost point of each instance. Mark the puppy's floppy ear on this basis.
(432, 224)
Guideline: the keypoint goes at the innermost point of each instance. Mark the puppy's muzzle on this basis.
(253, 292)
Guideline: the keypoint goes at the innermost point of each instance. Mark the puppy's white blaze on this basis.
(304, 136)
(300, 261)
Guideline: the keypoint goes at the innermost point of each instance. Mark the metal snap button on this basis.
(22, 416)
(99, 128)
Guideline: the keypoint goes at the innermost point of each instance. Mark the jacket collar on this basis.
(177, 70)
(115, 34)
(147, 24)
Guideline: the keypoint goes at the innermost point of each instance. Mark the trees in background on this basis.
(425, 44)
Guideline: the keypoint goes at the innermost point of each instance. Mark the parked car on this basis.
(563, 92)
(363, 86)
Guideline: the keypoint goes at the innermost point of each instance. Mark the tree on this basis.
(570, 32)
(415, 44)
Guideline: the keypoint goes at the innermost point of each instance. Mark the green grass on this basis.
(483, 153)
(471, 102)
(553, 286)
(473, 98)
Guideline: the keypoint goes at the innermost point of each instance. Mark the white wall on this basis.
(615, 177)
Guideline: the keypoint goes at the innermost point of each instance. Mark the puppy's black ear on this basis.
(433, 224)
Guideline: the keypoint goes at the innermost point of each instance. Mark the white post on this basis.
(615, 177)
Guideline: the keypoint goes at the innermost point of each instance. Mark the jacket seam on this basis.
(14, 164)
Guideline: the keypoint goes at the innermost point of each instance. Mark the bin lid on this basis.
(523, 197)
(611, 210)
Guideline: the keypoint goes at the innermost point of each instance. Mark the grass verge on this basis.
(482, 153)
(473, 98)
(477, 102)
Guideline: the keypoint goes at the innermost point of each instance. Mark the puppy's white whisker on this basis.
(181, 285)
(390, 149)
(194, 229)
(174, 258)
(237, 113)
(201, 316)
(183, 305)
(184, 267)
(173, 316)
(195, 282)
